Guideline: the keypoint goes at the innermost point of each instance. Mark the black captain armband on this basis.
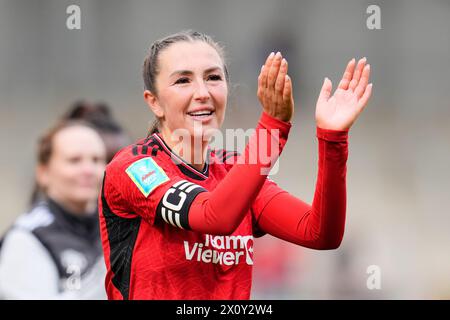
(174, 205)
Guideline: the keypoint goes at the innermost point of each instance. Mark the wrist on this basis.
(332, 135)
(270, 122)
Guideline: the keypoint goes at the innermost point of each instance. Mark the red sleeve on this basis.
(269, 190)
(321, 225)
(221, 211)
(125, 195)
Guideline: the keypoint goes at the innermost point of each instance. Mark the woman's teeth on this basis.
(200, 113)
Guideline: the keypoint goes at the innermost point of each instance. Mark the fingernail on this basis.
(283, 61)
(271, 54)
(368, 67)
(278, 54)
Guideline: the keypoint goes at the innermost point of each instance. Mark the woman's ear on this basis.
(42, 175)
(153, 103)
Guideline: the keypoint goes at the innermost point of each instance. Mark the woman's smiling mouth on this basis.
(203, 115)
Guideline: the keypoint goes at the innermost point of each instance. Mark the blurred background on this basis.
(398, 215)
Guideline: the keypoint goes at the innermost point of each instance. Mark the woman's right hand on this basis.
(275, 88)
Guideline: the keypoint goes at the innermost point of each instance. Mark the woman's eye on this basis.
(182, 80)
(101, 160)
(215, 77)
(74, 160)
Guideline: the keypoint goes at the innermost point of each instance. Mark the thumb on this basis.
(325, 92)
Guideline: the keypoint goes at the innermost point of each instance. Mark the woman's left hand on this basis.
(340, 111)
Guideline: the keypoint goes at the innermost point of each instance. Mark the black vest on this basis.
(73, 241)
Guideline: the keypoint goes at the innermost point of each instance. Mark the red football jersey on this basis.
(150, 253)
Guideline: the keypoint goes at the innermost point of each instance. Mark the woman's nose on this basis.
(88, 168)
(201, 91)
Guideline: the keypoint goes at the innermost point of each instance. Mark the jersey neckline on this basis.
(184, 167)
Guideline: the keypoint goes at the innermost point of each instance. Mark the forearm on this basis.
(221, 211)
(321, 225)
(330, 198)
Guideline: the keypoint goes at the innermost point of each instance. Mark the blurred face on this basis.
(191, 88)
(74, 173)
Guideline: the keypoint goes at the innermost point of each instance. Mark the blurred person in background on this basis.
(54, 250)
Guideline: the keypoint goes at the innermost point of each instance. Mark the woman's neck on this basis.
(77, 208)
(192, 150)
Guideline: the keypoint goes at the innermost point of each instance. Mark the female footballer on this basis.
(176, 228)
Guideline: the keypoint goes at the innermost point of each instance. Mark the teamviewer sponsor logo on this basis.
(226, 250)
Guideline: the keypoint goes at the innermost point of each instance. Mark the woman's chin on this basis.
(204, 129)
(84, 196)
